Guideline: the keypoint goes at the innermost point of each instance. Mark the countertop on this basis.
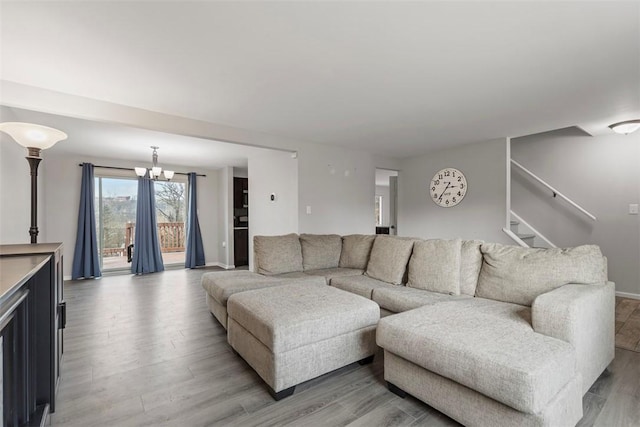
(16, 270)
(29, 248)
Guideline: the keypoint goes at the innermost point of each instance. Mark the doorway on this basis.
(386, 201)
(116, 202)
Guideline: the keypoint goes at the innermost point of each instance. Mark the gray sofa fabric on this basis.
(356, 249)
(292, 316)
(489, 334)
(299, 332)
(320, 251)
(400, 298)
(389, 258)
(359, 285)
(435, 266)
(584, 317)
(471, 408)
(470, 265)
(519, 275)
(277, 254)
(331, 273)
(498, 356)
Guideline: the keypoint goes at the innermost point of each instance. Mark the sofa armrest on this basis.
(584, 316)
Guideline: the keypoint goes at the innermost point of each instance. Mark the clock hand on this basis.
(445, 189)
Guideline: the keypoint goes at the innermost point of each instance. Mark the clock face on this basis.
(448, 187)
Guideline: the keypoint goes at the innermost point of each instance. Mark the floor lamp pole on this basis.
(34, 160)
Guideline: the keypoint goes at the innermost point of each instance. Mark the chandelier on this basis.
(154, 170)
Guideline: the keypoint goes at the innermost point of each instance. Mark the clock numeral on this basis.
(460, 195)
(461, 186)
(440, 176)
(435, 196)
(437, 182)
(459, 179)
(447, 201)
(454, 200)
(447, 173)
(433, 188)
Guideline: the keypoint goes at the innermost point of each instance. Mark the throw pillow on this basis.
(388, 260)
(320, 251)
(435, 266)
(519, 275)
(355, 250)
(277, 254)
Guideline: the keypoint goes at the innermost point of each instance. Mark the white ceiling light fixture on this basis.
(155, 170)
(626, 127)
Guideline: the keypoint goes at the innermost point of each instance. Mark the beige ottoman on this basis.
(220, 285)
(293, 333)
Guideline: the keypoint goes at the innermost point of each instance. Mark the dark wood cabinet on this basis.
(241, 221)
(32, 315)
(241, 247)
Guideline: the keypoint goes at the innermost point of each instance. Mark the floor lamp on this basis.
(35, 138)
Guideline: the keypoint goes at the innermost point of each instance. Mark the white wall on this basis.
(272, 172)
(383, 191)
(481, 215)
(602, 174)
(339, 204)
(61, 197)
(225, 217)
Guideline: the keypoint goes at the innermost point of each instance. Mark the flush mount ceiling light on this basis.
(626, 127)
(155, 170)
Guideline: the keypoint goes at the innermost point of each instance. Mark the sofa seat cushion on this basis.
(292, 316)
(277, 254)
(355, 250)
(389, 258)
(400, 298)
(221, 285)
(519, 275)
(331, 273)
(320, 251)
(360, 285)
(484, 347)
(292, 275)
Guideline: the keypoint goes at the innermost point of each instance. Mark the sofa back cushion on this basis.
(277, 254)
(389, 257)
(470, 265)
(320, 251)
(518, 275)
(435, 266)
(356, 249)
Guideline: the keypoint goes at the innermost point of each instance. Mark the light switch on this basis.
(308, 210)
(633, 209)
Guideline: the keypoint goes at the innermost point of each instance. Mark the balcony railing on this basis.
(171, 234)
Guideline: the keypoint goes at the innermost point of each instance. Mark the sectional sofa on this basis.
(488, 334)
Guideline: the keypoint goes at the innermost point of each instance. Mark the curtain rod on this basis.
(133, 170)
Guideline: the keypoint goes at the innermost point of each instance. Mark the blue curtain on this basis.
(195, 250)
(147, 257)
(86, 263)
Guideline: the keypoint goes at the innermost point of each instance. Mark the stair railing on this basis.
(554, 191)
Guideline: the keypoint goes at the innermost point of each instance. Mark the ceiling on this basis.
(110, 141)
(395, 78)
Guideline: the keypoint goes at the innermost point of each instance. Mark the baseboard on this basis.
(627, 295)
(221, 265)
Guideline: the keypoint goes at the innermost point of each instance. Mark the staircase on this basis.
(520, 231)
(529, 239)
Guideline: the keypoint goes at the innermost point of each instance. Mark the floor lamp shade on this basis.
(35, 138)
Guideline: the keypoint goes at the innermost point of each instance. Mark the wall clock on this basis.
(448, 187)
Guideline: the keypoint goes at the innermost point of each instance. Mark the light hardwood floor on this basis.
(144, 350)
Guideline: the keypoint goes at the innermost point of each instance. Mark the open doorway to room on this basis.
(386, 201)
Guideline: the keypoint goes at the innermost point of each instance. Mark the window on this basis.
(115, 204)
(378, 211)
